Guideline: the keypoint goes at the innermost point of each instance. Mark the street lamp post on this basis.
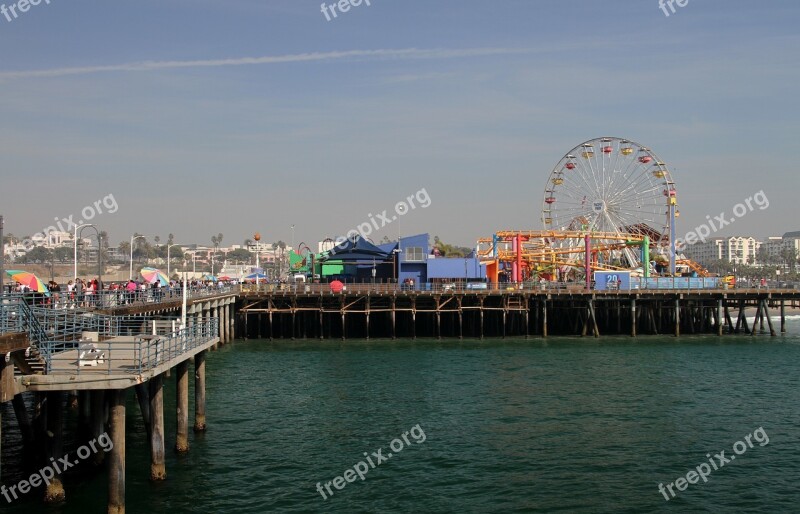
(168, 262)
(75, 250)
(99, 253)
(194, 261)
(130, 269)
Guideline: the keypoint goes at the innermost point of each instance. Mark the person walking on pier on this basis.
(79, 293)
(130, 288)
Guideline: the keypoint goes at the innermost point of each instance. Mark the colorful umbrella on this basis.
(224, 278)
(153, 274)
(336, 286)
(256, 276)
(28, 279)
(212, 278)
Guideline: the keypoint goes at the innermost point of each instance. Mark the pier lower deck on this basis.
(120, 363)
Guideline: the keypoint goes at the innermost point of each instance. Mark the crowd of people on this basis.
(93, 293)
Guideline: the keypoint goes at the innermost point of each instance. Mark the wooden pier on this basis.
(130, 349)
(365, 311)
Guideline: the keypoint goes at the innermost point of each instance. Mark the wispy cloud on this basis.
(406, 54)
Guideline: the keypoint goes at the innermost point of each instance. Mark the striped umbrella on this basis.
(27, 278)
(153, 274)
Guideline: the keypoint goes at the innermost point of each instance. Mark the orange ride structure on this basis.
(610, 204)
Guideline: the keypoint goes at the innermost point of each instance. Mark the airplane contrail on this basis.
(406, 53)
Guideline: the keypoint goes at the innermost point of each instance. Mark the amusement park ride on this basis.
(609, 205)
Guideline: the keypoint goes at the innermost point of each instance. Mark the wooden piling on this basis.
(366, 308)
(460, 319)
(765, 313)
(143, 397)
(413, 317)
(24, 422)
(393, 315)
(677, 317)
(116, 464)
(231, 321)
(481, 312)
(6, 391)
(633, 317)
(54, 492)
(182, 407)
(783, 316)
(158, 466)
(200, 391)
(97, 421)
(321, 320)
(544, 318)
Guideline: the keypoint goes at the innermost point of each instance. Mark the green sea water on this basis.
(514, 425)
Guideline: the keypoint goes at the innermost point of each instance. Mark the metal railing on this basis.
(110, 298)
(61, 336)
(652, 284)
(137, 354)
(17, 316)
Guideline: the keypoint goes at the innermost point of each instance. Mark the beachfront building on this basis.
(773, 246)
(791, 241)
(734, 249)
(409, 261)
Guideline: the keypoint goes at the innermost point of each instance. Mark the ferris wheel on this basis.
(613, 188)
(609, 185)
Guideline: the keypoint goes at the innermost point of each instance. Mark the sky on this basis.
(203, 117)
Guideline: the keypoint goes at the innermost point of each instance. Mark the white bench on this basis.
(90, 355)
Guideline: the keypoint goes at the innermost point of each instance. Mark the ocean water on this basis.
(514, 425)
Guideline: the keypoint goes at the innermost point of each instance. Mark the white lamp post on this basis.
(168, 262)
(194, 261)
(130, 268)
(75, 251)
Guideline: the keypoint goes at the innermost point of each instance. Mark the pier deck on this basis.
(120, 363)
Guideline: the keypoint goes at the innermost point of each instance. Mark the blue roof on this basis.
(356, 249)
